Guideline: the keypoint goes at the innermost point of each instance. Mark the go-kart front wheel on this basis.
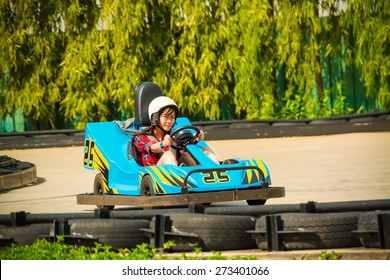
(99, 190)
(147, 188)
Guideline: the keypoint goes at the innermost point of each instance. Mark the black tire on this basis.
(17, 175)
(369, 222)
(99, 190)
(16, 168)
(256, 202)
(118, 233)
(332, 230)
(216, 232)
(6, 161)
(147, 188)
(26, 235)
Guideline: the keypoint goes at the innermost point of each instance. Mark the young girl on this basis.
(155, 143)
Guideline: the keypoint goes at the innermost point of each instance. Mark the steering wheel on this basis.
(182, 136)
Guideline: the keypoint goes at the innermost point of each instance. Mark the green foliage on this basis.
(217, 59)
(42, 249)
(329, 256)
(369, 25)
(253, 60)
(29, 55)
(339, 106)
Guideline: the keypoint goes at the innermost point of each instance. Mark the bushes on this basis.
(42, 249)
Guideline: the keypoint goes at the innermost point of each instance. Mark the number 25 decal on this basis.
(212, 177)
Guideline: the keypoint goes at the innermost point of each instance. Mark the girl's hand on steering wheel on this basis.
(167, 141)
(200, 136)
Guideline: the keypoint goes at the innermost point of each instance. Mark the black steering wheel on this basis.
(182, 136)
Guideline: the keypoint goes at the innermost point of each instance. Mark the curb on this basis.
(346, 254)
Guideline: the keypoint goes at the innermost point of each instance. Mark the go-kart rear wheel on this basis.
(256, 202)
(147, 188)
(99, 190)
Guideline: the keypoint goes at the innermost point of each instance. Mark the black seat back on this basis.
(145, 92)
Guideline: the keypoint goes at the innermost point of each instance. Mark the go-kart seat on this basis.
(133, 152)
(145, 92)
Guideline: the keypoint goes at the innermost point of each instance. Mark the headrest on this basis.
(145, 92)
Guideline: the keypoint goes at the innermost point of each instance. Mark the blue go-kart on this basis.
(122, 180)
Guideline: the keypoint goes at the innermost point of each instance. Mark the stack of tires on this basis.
(23, 235)
(15, 173)
(208, 232)
(368, 229)
(296, 231)
(300, 231)
(117, 233)
(215, 232)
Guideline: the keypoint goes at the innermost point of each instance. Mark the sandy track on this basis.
(344, 167)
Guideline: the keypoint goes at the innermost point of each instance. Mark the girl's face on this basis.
(167, 119)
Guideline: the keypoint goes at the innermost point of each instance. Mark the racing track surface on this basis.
(333, 168)
(348, 167)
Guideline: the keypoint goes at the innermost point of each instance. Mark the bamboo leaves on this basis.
(216, 59)
(370, 25)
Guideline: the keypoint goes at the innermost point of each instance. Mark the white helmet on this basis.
(158, 105)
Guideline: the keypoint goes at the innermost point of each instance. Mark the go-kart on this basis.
(122, 180)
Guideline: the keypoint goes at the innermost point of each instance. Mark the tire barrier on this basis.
(244, 129)
(117, 233)
(6, 161)
(347, 206)
(272, 231)
(24, 218)
(25, 235)
(208, 232)
(300, 231)
(371, 231)
(217, 130)
(309, 207)
(15, 173)
(147, 214)
(256, 211)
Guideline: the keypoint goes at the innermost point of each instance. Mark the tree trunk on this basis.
(95, 114)
(319, 81)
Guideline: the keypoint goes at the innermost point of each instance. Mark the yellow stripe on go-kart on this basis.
(93, 158)
(160, 175)
(249, 174)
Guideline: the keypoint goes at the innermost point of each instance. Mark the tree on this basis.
(29, 57)
(369, 24)
(82, 59)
